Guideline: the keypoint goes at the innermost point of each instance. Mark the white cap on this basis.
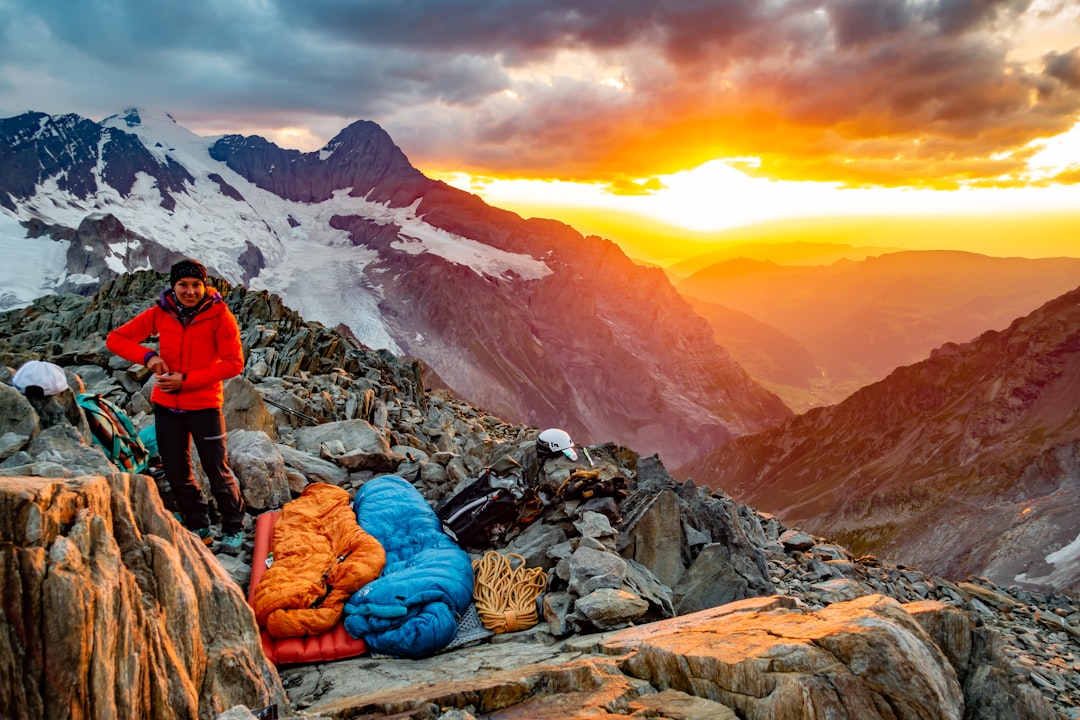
(47, 376)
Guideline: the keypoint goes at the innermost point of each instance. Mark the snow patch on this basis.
(81, 279)
(328, 286)
(32, 267)
(1066, 562)
(419, 237)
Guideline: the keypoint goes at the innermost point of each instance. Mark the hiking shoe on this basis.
(206, 535)
(231, 543)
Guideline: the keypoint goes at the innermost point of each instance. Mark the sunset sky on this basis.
(665, 125)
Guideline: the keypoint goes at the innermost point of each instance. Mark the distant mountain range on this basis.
(967, 462)
(815, 334)
(780, 253)
(525, 318)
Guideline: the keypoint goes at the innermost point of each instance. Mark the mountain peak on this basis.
(354, 235)
(133, 117)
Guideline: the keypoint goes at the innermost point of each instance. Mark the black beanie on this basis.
(187, 269)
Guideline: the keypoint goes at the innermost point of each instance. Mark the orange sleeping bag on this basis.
(321, 556)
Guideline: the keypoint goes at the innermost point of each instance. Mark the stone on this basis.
(556, 608)
(16, 414)
(681, 706)
(712, 580)
(656, 537)
(11, 443)
(245, 409)
(594, 525)
(534, 543)
(607, 608)
(797, 540)
(864, 659)
(362, 445)
(641, 582)
(259, 469)
(838, 590)
(312, 468)
(591, 569)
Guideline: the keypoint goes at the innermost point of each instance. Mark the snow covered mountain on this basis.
(526, 318)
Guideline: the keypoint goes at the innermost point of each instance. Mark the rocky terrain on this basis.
(965, 463)
(674, 602)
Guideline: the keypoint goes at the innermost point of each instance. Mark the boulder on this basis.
(259, 469)
(312, 468)
(244, 408)
(353, 444)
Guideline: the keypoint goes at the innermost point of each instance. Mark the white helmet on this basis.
(554, 441)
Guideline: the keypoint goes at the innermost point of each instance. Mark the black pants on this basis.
(175, 432)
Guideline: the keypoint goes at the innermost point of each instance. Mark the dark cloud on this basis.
(521, 28)
(1064, 67)
(959, 16)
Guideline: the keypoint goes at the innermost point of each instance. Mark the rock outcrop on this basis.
(112, 609)
(1006, 650)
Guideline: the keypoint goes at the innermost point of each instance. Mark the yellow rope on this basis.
(506, 592)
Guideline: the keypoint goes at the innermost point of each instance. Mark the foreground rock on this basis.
(763, 658)
(1013, 653)
(111, 609)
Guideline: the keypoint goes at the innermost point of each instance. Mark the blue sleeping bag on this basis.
(412, 609)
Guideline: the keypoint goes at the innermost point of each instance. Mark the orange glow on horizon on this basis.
(666, 219)
(1029, 235)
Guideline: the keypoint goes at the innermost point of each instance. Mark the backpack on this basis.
(112, 431)
(486, 509)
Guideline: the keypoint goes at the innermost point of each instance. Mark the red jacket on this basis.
(207, 349)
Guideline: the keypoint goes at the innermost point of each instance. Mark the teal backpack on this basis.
(112, 431)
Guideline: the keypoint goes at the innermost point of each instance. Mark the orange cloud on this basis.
(629, 187)
(886, 93)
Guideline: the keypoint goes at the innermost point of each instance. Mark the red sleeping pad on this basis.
(335, 644)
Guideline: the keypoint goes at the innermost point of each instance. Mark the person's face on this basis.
(190, 291)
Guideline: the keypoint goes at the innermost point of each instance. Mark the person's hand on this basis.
(157, 365)
(169, 382)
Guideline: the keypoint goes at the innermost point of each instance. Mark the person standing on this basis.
(199, 348)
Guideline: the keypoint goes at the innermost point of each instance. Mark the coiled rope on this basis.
(505, 591)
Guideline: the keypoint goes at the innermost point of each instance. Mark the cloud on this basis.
(1069, 176)
(879, 92)
(644, 187)
(1064, 67)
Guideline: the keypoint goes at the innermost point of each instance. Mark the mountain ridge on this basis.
(964, 463)
(525, 317)
(860, 319)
